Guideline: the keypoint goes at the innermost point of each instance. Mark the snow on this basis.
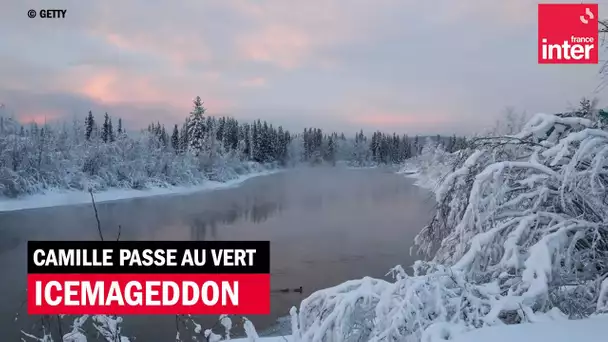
(430, 167)
(265, 339)
(64, 197)
(408, 170)
(362, 167)
(517, 247)
(587, 330)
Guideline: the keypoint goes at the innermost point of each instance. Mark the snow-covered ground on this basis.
(265, 339)
(584, 330)
(71, 197)
(430, 167)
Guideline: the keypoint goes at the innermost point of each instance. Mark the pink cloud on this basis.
(178, 49)
(112, 86)
(388, 110)
(291, 34)
(38, 116)
(284, 46)
(119, 41)
(100, 87)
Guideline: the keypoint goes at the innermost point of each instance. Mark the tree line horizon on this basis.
(260, 140)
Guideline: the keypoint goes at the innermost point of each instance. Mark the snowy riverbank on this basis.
(421, 179)
(72, 197)
(430, 167)
(493, 180)
(588, 330)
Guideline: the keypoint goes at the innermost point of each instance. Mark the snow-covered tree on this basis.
(360, 150)
(510, 122)
(587, 109)
(184, 140)
(175, 139)
(107, 128)
(519, 236)
(111, 135)
(196, 127)
(330, 156)
(90, 125)
(119, 130)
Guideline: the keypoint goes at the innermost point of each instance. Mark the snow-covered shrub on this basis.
(107, 328)
(57, 158)
(432, 165)
(521, 231)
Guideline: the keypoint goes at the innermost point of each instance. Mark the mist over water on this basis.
(326, 225)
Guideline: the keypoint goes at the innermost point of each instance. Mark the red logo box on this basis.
(568, 34)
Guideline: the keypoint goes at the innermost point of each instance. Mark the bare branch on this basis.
(96, 215)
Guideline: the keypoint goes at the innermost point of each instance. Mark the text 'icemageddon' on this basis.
(149, 277)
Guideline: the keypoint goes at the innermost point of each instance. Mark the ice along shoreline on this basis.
(57, 198)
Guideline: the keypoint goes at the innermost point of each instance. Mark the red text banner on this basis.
(125, 294)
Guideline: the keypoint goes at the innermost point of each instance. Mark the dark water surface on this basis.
(325, 226)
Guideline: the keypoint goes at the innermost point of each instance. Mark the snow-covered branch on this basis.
(519, 232)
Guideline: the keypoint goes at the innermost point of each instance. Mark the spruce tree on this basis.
(105, 133)
(306, 144)
(90, 124)
(405, 148)
(184, 140)
(248, 142)
(281, 152)
(221, 127)
(452, 144)
(175, 139)
(374, 146)
(395, 150)
(34, 129)
(119, 126)
(196, 127)
(331, 150)
(266, 143)
(111, 131)
(417, 146)
(256, 143)
(163, 137)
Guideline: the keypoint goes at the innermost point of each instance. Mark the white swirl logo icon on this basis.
(589, 14)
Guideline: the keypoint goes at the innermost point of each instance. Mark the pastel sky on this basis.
(416, 67)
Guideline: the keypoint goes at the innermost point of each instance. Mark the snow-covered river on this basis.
(325, 226)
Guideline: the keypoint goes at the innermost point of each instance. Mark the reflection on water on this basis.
(325, 226)
(8, 241)
(204, 226)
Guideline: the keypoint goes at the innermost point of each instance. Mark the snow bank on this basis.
(266, 339)
(587, 330)
(71, 197)
(431, 166)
